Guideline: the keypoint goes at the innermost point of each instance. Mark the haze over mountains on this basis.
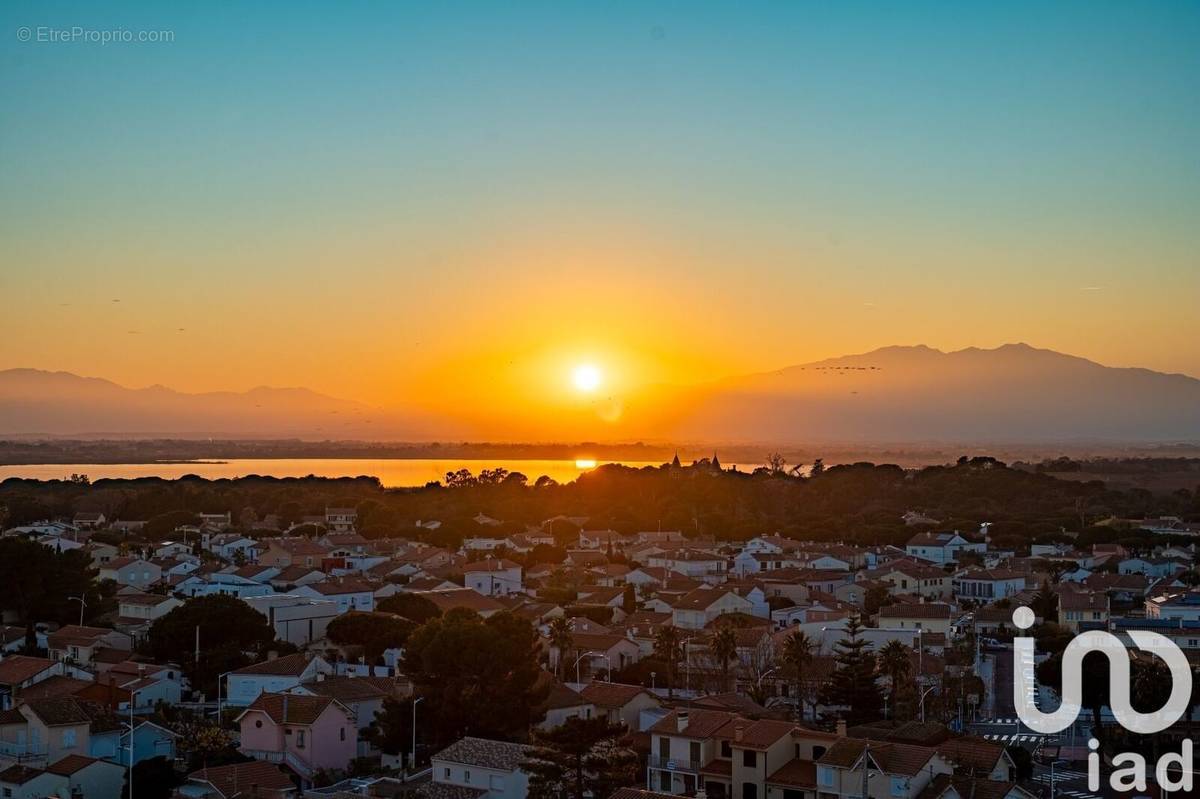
(1014, 393)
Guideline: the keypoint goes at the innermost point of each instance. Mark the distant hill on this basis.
(1011, 394)
(1014, 393)
(60, 403)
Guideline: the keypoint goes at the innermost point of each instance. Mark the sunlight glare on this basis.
(586, 377)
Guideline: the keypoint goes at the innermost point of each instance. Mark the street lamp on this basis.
(82, 604)
(412, 763)
(925, 694)
(586, 654)
(1054, 763)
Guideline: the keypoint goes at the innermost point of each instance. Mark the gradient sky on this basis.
(445, 201)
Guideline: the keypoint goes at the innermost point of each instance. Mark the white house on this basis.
(298, 620)
(942, 548)
(349, 594)
(272, 676)
(695, 609)
(131, 571)
(494, 577)
(481, 765)
(986, 585)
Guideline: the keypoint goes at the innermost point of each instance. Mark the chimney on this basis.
(739, 732)
(681, 720)
(272, 654)
(841, 728)
(320, 676)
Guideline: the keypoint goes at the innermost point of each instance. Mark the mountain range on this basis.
(1013, 393)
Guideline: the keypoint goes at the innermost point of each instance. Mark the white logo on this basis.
(1072, 679)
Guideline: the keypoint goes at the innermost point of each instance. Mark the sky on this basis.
(453, 203)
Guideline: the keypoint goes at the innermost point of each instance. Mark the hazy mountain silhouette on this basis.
(1014, 393)
(60, 403)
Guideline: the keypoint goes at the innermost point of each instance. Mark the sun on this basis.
(586, 377)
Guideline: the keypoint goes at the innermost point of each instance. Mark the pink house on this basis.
(304, 733)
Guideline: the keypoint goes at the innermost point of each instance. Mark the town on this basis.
(228, 641)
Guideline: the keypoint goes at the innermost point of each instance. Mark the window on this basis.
(446, 773)
(899, 786)
(467, 777)
(68, 739)
(258, 724)
(664, 747)
(726, 750)
(825, 776)
(342, 733)
(694, 752)
(749, 758)
(299, 739)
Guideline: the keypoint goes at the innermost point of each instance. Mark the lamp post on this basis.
(220, 677)
(582, 656)
(687, 665)
(923, 695)
(412, 762)
(82, 604)
(1054, 763)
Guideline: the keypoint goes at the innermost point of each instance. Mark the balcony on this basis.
(289, 759)
(22, 752)
(674, 764)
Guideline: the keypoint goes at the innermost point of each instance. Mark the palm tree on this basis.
(724, 648)
(894, 661)
(666, 649)
(562, 638)
(796, 655)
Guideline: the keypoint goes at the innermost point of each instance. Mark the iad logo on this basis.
(1133, 777)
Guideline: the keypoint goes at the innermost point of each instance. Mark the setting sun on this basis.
(586, 377)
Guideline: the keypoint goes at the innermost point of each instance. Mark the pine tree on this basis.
(581, 757)
(852, 685)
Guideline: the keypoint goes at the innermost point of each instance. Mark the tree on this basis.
(391, 729)
(1045, 603)
(629, 599)
(895, 663)
(229, 629)
(876, 597)
(411, 606)
(562, 638)
(477, 677)
(818, 467)
(852, 685)
(796, 655)
(581, 757)
(374, 632)
(724, 649)
(666, 649)
(154, 777)
(36, 582)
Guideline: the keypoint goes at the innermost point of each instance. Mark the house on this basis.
(482, 769)
(239, 781)
(76, 644)
(89, 520)
(274, 675)
(620, 704)
(1083, 610)
(697, 608)
(304, 733)
(348, 593)
(463, 598)
(926, 616)
(136, 612)
(290, 577)
(705, 566)
(609, 651)
(298, 620)
(18, 672)
(150, 740)
(563, 703)
(481, 543)
(230, 546)
(131, 571)
(947, 787)
(292, 551)
(901, 770)
(44, 731)
(942, 548)
(494, 577)
(340, 520)
(216, 521)
(74, 776)
(1151, 567)
(987, 585)
(143, 684)
(1174, 605)
(101, 553)
(362, 696)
